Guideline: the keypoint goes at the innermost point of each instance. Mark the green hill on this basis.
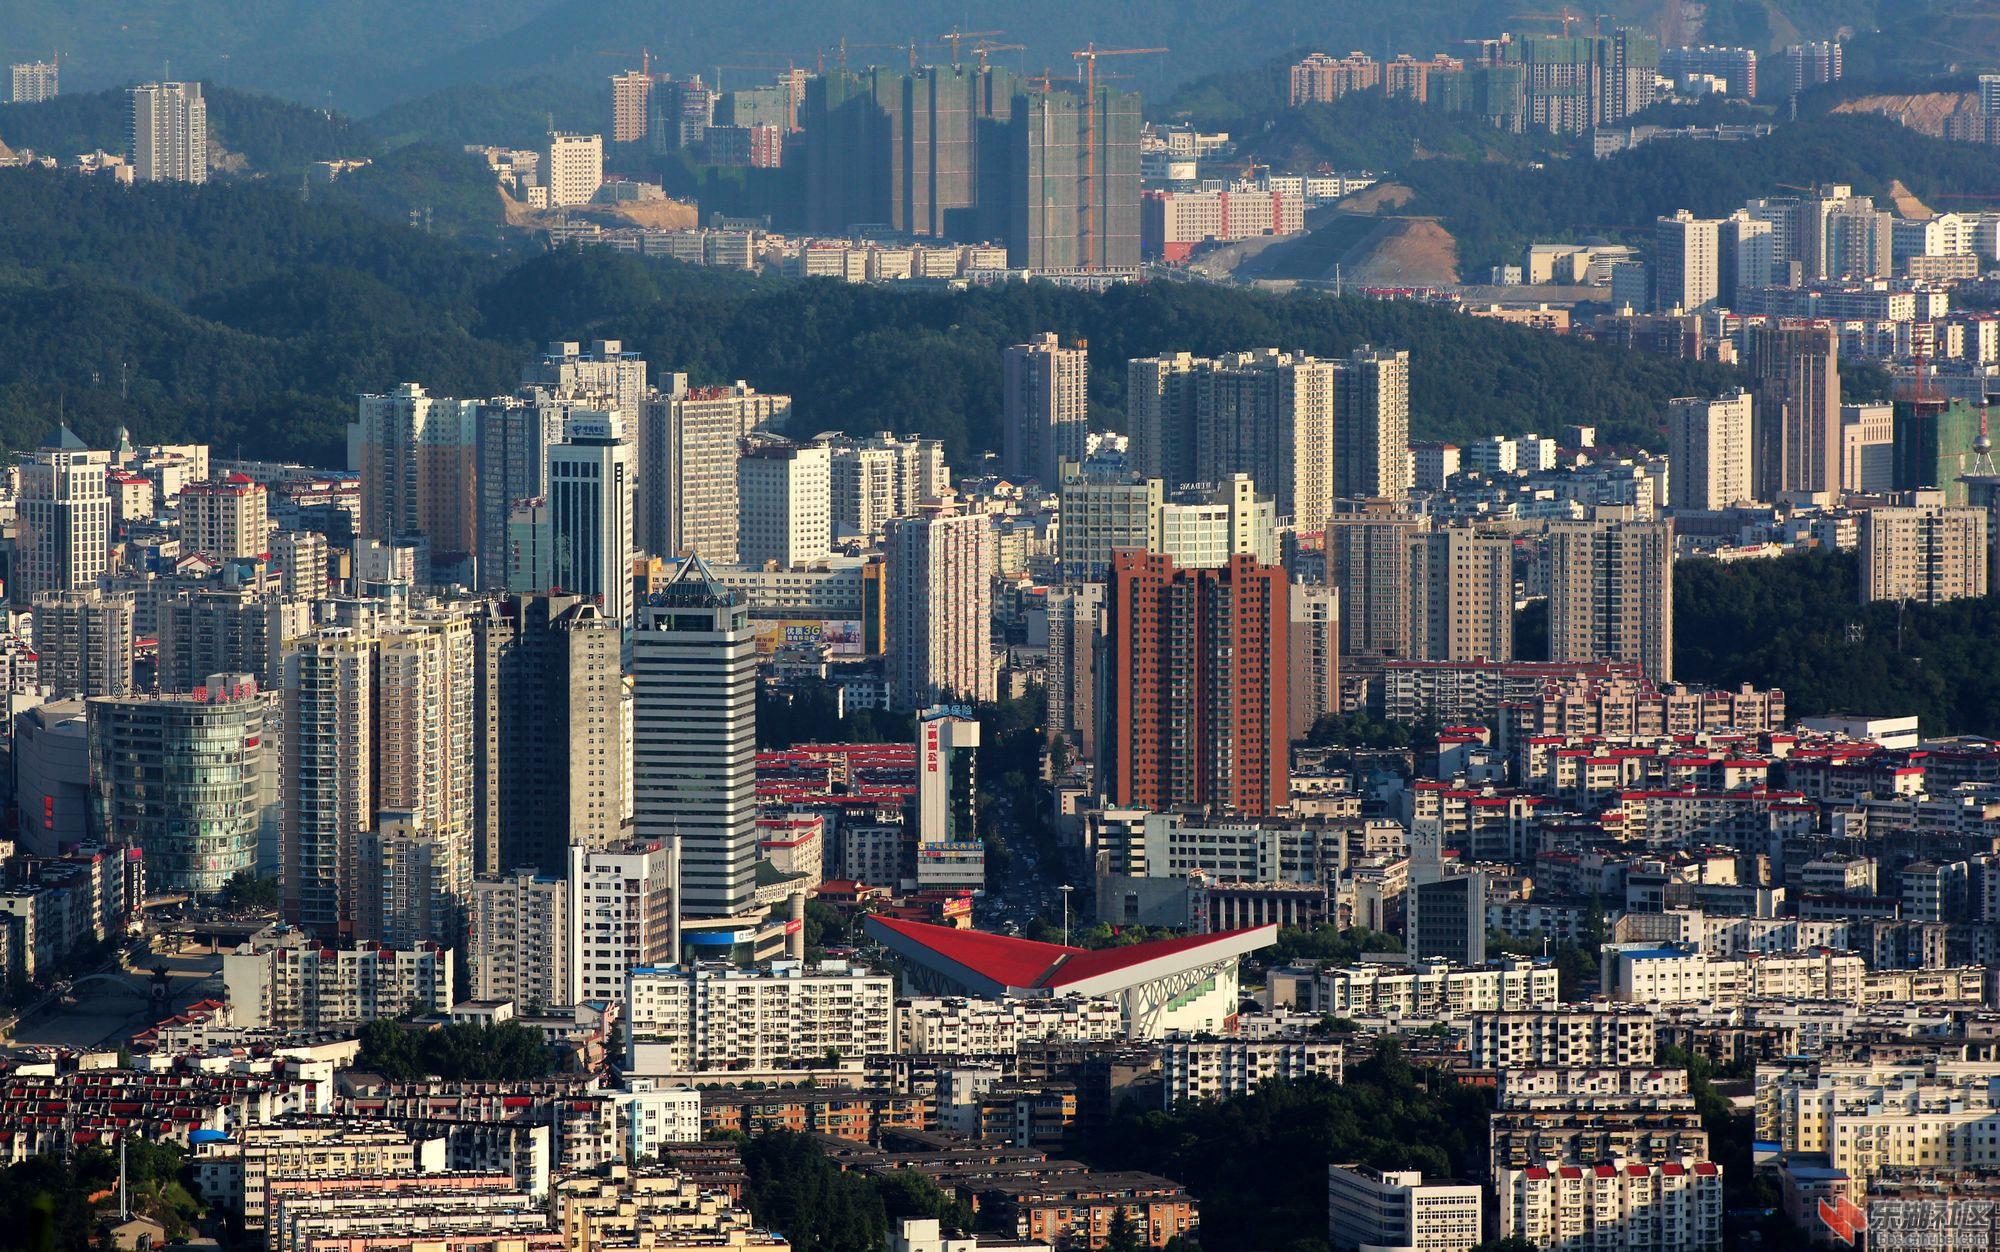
(238, 313)
(273, 136)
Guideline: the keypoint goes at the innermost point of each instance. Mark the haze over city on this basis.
(944, 627)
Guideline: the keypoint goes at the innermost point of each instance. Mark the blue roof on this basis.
(207, 1136)
(1654, 954)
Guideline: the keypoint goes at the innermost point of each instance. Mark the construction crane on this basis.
(956, 36)
(1086, 199)
(1565, 16)
(645, 56)
(846, 43)
(981, 49)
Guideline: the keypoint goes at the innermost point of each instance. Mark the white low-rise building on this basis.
(708, 1017)
(1675, 1206)
(1372, 1210)
(1216, 1069)
(960, 1026)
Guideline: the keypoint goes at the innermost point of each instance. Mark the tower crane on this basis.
(955, 36)
(1086, 200)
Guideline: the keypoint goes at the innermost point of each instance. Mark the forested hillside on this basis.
(1798, 623)
(239, 312)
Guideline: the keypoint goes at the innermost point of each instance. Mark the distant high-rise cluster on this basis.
(35, 81)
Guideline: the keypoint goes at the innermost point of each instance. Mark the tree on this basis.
(1123, 1236)
(245, 890)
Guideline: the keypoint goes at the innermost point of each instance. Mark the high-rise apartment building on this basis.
(689, 440)
(228, 519)
(84, 642)
(35, 81)
(1102, 514)
(1709, 447)
(1736, 67)
(694, 736)
(590, 513)
(169, 133)
(415, 456)
(1322, 79)
(1611, 592)
(1268, 414)
(186, 778)
(1075, 181)
(630, 93)
(621, 915)
(1926, 553)
(1195, 685)
(1313, 656)
(1807, 65)
(301, 560)
(572, 167)
(328, 780)
(1687, 263)
(228, 630)
(1203, 529)
(1076, 625)
(1045, 418)
(882, 477)
(1371, 423)
(62, 539)
(784, 501)
(511, 438)
(1367, 562)
(1462, 595)
(1867, 447)
(941, 565)
(603, 375)
(926, 152)
(550, 754)
(1795, 368)
(518, 942)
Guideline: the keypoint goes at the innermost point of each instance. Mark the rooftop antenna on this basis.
(1982, 445)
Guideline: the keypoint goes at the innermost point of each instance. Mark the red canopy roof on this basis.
(1016, 962)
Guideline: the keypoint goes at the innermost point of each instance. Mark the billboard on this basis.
(842, 635)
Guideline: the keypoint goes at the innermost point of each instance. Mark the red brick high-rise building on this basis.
(1195, 685)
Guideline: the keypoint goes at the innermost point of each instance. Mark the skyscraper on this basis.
(694, 737)
(940, 606)
(1371, 418)
(169, 134)
(1687, 263)
(784, 502)
(925, 152)
(590, 513)
(328, 781)
(881, 477)
(1045, 416)
(84, 642)
(629, 94)
(1313, 656)
(1075, 181)
(63, 519)
(1196, 681)
(1267, 413)
(550, 753)
(1462, 601)
(511, 441)
(1795, 366)
(1709, 448)
(414, 453)
(949, 853)
(188, 778)
(1611, 592)
(1367, 561)
(688, 443)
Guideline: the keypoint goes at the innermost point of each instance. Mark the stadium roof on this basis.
(993, 965)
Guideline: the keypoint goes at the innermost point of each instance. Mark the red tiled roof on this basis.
(1015, 962)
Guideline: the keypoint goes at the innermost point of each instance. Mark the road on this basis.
(111, 1009)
